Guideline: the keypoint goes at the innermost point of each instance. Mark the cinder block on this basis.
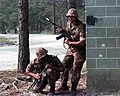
(96, 53)
(106, 63)
(118, 2)
(96, 32)
(89, 2)
(118, 21)
(94, 11)
(105, 2)
(91, 43)
(113, 32)
(91, 63)
(118, 42)
(103, 81)
(106, 42)
(119, 63)
(113, 11)
(113, 53)
(106, 22)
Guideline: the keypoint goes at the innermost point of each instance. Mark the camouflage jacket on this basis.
(77, 30)
(37, 66)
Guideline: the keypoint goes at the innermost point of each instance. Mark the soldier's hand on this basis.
(67, 41)
(59, 29)
(37, 76)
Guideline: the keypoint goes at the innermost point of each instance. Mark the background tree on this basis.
(23, 55)
(38, 11)
(71, 4)
(8, 16)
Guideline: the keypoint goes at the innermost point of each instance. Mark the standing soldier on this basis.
(53, 68)
(76, 52)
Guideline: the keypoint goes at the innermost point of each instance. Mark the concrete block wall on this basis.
(103, 46)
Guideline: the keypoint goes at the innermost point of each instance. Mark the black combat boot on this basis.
(63, 87)
(52, 89)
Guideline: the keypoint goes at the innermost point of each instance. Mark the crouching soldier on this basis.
(53, 68)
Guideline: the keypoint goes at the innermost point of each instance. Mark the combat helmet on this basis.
(72, 12)
(41, 51)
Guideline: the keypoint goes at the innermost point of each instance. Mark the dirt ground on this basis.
(10, 86)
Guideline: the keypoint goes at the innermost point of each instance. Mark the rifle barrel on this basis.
(52, 22)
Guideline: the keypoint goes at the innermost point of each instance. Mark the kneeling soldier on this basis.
(53, 68)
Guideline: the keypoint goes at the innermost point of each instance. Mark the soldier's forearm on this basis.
(78, 43)
(30, 74)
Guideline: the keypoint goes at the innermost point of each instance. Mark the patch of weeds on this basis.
(6, 41)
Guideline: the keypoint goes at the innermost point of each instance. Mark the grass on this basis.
(3, 39)
(6, 41)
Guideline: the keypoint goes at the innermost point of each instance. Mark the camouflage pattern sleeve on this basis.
(82, 36)
(80, 29)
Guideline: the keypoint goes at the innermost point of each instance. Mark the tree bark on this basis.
(14, 26)
(71, 4)
(23, 54)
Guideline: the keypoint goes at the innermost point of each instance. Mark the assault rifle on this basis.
(63, 32)
(36, 80)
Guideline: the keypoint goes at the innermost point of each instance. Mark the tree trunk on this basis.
(14, 26)
(54, 29)
(23, 54)
(71, 4)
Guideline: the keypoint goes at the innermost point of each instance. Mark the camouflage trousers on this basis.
(74, 63)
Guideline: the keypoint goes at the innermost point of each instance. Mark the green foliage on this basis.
(6, 41)
(3, 39)
(41, 9)
(8, 14)
(38, 11)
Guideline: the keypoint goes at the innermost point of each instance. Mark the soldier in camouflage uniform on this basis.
(76, 52)
(53, 68)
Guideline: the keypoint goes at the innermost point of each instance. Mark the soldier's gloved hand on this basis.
(48, 66)
(37, 76)
(59, 29)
